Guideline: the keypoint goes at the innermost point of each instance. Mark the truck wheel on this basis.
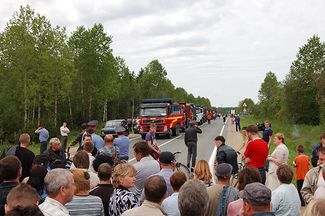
(143, 136)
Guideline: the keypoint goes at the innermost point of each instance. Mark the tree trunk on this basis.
(105, 111)
(82, 96)
(39, 110)
(55, 110)
(25, 100)
(89, 108)
(70, 110)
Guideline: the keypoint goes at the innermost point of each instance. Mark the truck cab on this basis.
(168, 116)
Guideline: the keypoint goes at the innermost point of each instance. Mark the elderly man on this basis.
(155, 192)
(60, 188)
(10, 172)
(55, 154)
(315, 178)
(257, 200)
(193, 199)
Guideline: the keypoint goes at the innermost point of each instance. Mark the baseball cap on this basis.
(223, 170)
(120, 129)
(257, 194)
(166, 157)
(92, 123)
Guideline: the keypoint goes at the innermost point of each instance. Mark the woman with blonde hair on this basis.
(122, 199)
(202, 172)
(315, 208)
(83, 203)
(279, 156)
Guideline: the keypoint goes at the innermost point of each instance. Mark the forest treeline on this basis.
(300, 98)
(48, 76)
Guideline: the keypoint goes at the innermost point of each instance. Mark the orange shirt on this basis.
(302, 166)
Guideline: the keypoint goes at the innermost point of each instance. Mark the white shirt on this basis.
(286, 201)
(321, 181)
(51, 207)
(64, 131)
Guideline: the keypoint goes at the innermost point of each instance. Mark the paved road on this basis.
(205, 142)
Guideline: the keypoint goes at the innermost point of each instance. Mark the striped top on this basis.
(85, 205)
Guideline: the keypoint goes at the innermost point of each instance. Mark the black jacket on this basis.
(191, 135)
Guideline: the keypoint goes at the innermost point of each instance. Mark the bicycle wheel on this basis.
(184, 169)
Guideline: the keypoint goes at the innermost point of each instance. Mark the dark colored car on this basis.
(112, 125)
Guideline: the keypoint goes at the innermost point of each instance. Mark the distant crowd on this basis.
(100, 180)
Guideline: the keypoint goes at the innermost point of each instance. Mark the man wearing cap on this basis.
(256, 152)
(96, 139)
(167, 165)
(190, 139)
(221, 194)
(257, 200)
(122, 142)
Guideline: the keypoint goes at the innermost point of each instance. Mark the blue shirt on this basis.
(43, 135)
(170, 205)
(97, 141)
(166, 174)
(123, 143)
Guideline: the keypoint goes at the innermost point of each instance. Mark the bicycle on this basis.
(234, 177)
(182, 168)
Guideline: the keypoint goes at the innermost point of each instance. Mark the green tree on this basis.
(300, 85)
(269, 96)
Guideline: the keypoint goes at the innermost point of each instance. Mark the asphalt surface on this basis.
(175, 144)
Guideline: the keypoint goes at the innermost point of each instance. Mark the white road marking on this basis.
(214, 154)
(161, 145)
(135, 138)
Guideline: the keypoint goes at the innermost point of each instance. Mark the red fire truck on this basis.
(190, 112)
(169, 117)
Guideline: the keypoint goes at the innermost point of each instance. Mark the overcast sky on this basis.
(220, 49)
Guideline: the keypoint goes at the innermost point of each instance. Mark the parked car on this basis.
(112, 125)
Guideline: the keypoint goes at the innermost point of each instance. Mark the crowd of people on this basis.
(101, 181)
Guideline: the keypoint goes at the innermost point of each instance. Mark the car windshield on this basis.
(153, 111)
(112, 123)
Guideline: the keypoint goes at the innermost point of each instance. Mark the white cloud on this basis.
(217, 49)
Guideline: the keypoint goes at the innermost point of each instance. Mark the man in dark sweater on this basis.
(25, 155)
(10, 171)
(104, 189)
(191, 142)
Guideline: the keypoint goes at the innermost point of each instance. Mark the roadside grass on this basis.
(294, 134)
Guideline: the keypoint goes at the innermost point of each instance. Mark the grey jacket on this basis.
(310, 184)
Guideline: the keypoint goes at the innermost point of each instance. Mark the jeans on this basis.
(43, 146)
(263, 175)
(191, 153)
(64, 140)
(299, 186)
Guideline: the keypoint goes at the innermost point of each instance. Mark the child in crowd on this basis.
(301, 162)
